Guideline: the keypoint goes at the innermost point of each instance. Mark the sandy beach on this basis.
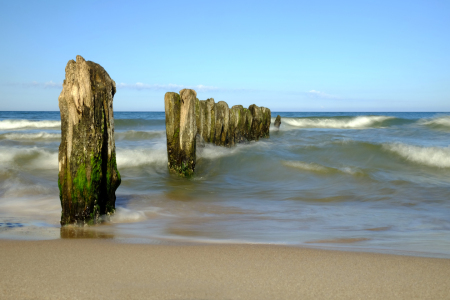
(98, 269)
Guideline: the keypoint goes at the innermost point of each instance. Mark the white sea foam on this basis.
(313, 167)
(31, 136)
(6, 155)
(140, 157)
(430, 156)
(344, 123)
(306, 166)
(212, 152)
(124, 215)
(45, 160)
(17, 124)
(30, 200)
(42, 207)
(351, 171)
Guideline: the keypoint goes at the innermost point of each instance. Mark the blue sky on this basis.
(285, 55)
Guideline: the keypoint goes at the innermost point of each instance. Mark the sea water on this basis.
(366, 181)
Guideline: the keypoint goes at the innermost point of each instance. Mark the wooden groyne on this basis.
(189, 119)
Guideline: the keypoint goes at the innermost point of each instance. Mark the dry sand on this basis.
(96, 269)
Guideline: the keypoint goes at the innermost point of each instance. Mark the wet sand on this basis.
(99, 269)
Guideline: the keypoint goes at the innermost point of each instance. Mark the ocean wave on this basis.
(358, 122)
(308, 166)
(15, 186)
(127, 158)
(212, 152)
(31, 136)
(34, 206)
(18, 124)
(442, 122)
(317, 168)
(430, 156)
(35, 158)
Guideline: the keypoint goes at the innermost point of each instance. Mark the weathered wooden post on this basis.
(235, 113)
(206, 120)
(181, 130)
(266, 118)
(255, 130)
(88, 175)
(277, 122)
(222, 124)
(261, 117)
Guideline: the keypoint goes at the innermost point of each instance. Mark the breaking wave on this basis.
(31, 136)
(127, 158)
(430, 156)
(214, 152)
(359, 122)
(31, 158)
(442, 123)
(18, 124)
(308, 166)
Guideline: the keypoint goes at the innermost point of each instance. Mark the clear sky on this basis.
(285, 55)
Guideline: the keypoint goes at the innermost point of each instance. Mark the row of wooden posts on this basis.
(189, 120)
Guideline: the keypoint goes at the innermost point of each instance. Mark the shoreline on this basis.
(105, 269)
(98, 233)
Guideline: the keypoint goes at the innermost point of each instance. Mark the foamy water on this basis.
(28, 158)
(31, 136)
(308, 166)
(358, 122)
(376, 182)
(439, 122)
(19, 124)
(130, 158)
(430, 156)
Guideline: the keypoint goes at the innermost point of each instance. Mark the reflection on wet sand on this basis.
(75, 232)
(339, 241)
(379, 228)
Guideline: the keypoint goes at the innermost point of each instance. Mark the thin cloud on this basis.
(318, 94)
(51, 84)
(35, 84)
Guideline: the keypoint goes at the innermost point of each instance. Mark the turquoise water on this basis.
(371, 181)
